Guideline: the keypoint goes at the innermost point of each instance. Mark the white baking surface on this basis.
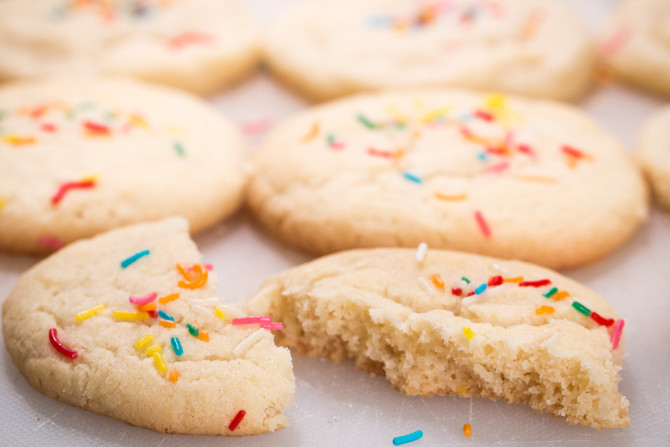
(336, 405)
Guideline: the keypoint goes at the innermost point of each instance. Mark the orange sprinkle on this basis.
(146, 307)
(467, 430)
(173, 376)
(313, 133)
(561, 295)
(544, 310)
(438, 281)
(204, 336)
(167, 324)
(196, 283)
(515, 279)
(17, 140)
(452, 198)
(168, 298)
(532, 24)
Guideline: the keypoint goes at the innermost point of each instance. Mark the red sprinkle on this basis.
(526, 149)
(60, 347)
(601, 320)
(379, 153)
(471, 293)
(48, 127)
(484, 115)
(571, 151)
(65, 187)
(95, 128)
(189, 38)
(236, 420)
(153, 313)
(495, 280)
(457, 291)
(538, 283)
(483, 225)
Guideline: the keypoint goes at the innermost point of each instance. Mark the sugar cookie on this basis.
(112, 326)
(453, 323)
(508, 177)
(197, 45)
(654, 154)
(635, 44)
(330, 48)
(78, 157)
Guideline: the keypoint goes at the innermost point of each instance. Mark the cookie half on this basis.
(79, 157)
(112, 326)
(654, 154)
(508, 177)
(450, 323)
(196, 45)
(330, 48)
(635, 44)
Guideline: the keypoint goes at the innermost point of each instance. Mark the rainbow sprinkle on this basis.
(467, 430)
(468, 333)
(142, 300)
(144, 341)
(192, 330)
(581, 308)
(236, 420)
(132, 259)
(551, 292)
(616, 333)
(60, 347)
(81, 316)
(164, 315)
(421, 252)
(483, 225)
(130, 316)
(161, 366)
(412, 177)
(245, 344)
(151, 350)
(404, 439)
(176, 346)
(65, 187)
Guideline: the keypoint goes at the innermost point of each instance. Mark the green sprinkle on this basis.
(549, 293)
(192, 329)
(179, 148)
(3, 114)
(331, 139)
(366, 122)
(581, 308)
(465, 279)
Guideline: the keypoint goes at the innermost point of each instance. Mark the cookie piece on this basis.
(508, 177)
(330, 48)
(79, 157)
(451, 323)
(196, 45)
(654, 154)
(206, 371)
(635, 44)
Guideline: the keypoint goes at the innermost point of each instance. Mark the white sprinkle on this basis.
(205, 301)
(424, 282)
(201, 309)
(421, 251)
(500, 269)
(248, 342)
(551, 341)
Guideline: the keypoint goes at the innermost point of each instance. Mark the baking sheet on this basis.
(337, 405)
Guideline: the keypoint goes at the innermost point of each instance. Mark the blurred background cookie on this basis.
(654, 154)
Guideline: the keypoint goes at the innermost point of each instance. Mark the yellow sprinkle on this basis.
(453, 198)
(90, 178)
(151, 350)
(435, 114)
(17, 140)
(138, 120)
(462, 389)
(495, 101)
(130, 315)
(81, 316)
(161, 366)
(544, 310)
(142, 342)
(219, 313)
(2, 203)
(468, 333)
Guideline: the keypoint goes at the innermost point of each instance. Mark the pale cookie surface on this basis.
(197, 45)
(224, 370)
(520, 339)
(509, 177)
(654, 154)
(635, 44)
(80, 157)
(329, 48)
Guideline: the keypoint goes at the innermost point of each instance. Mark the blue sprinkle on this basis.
(482, 156)
(479, 290)
(165, 316)
(412, 177)
(126, 262)
(400, 440)
(176, 346)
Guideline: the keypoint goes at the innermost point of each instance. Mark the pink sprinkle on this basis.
(273, 326)
(256, 127)
(190, 38)
(500, 167)
(379, 153)
(207, 266)
(483, 225)
(252, 320)
(51, 242)
(616, 333)
(526, 149)
(616, 42)
(142, 300)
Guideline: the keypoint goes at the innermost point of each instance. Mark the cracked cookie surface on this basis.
(502, 176)
(223, 368)
(430, 328)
